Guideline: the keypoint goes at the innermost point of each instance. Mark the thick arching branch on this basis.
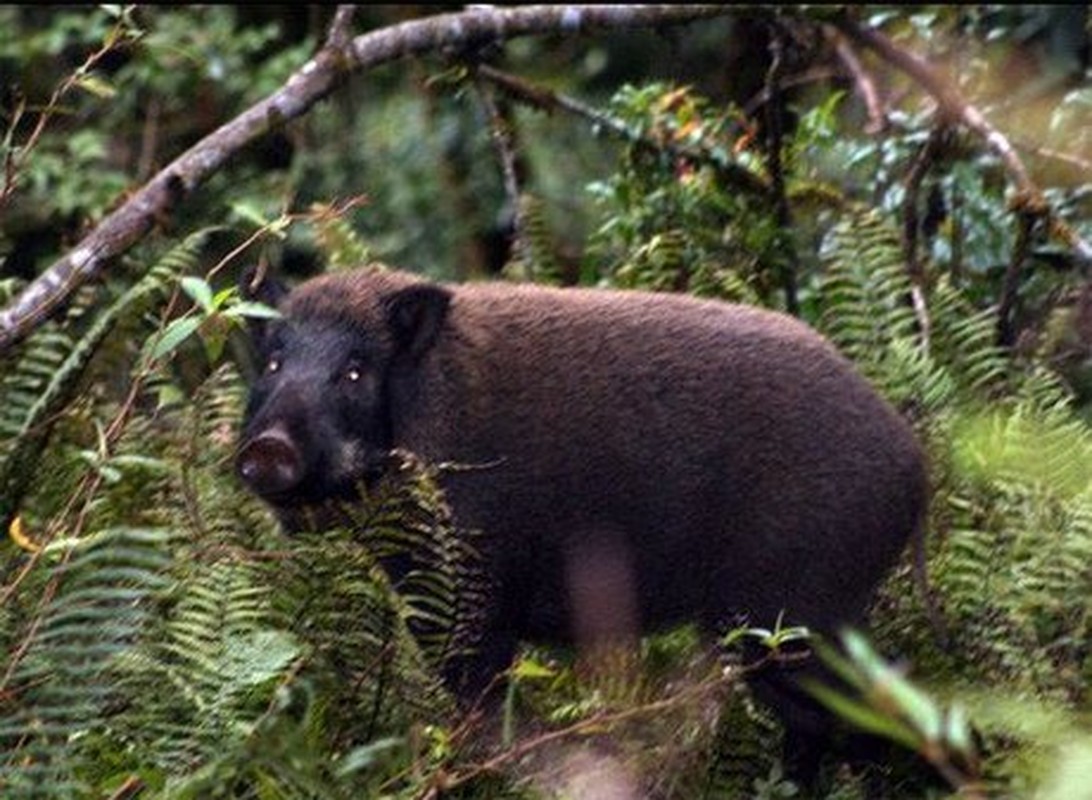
(315, 80)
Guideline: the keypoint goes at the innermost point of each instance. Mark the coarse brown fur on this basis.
(670, 458)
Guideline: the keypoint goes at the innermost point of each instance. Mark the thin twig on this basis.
(774, 145)
(131, 787)
(1068, 159)
(924, 161)
(1010, 287)
(594, 723)
(862, 81)
(952, 104)
(503, 136)
(17, 156)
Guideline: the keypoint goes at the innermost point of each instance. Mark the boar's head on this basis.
(318, 422)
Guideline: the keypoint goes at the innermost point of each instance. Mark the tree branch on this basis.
(548, 100)
(951, 101)
(501, 127)
(866, 87)
(954, 107)
(1006, 327)
(775, 142)
(314, 81)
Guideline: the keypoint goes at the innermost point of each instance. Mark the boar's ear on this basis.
(258, 286)
(416, 315)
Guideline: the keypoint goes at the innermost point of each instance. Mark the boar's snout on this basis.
(270, 463)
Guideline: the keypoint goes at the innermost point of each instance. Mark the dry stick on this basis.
(131, 787)
(952, 103)
(593, 723)
(1055, 155)
(500, 127)
(866, 87)
(775, 142)
(918, 170)
(1006, 332)
(955, 107)
(1029, 203)
(314, 81)
(340, 32)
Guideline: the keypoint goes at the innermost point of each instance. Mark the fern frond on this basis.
(33, 393)
(398, 591)
(336, 237)
(534, 255)
(657, 265)
(200, 677)
(865, 290)
(964, 338)
(65, 674)
(23, 427)
(217, 646)
(745, 748)
(867, 313)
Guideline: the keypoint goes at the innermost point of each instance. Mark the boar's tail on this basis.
(921, 579)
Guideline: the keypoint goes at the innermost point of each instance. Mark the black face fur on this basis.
(316, 424)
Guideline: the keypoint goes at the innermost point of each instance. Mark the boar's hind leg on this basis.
(809, 727)
(476, 678)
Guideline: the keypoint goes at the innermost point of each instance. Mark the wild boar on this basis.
(636, 460)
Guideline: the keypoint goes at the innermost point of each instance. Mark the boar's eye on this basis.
(273, 364)
(353, 373)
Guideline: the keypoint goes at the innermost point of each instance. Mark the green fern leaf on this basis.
(46, 377)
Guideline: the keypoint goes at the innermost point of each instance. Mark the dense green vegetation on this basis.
(162, 638)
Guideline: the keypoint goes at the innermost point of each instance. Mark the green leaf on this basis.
(840, 665)
(920, 709)
(175, 333)
(863, 716)
(200, 291)
(253, 310)
(958, 731)
(529, 668)
(250, 213)
(363, 757)
(141, 462)
(92, 84)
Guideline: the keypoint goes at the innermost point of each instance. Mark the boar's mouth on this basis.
(273, 468)
(343, 506)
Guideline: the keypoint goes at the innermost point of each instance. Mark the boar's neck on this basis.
(438, 405)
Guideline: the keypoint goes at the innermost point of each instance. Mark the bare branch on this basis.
(1069, 159)
(500, 126)
(1006, 328)
(774, 145)
(549, 100)
(16, 156)
(866, 87)
(954, 107)
(341, 27)
(951, 101)
(923, 162)
(314, 81)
